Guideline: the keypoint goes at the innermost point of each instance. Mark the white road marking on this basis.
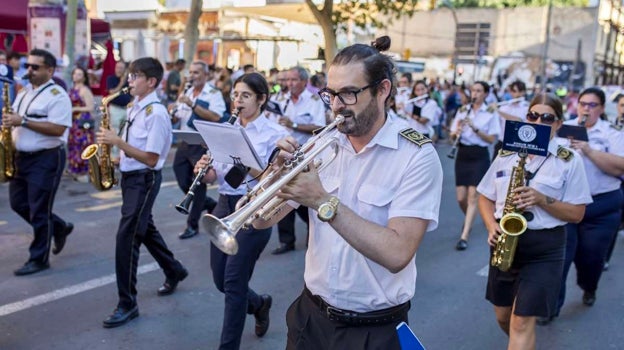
(68, 291)
(2, 222)
(484, 271)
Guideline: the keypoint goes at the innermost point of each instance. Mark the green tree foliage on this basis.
(334, 15)
(515, 3)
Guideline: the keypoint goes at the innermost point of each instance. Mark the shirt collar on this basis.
(387, 136)
(150, 98)
(258, 124)
(553, 146)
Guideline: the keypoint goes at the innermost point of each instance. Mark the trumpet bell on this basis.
(220, 234)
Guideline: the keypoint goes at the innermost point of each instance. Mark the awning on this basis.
(293, 12)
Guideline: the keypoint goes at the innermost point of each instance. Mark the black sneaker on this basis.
(188, 233)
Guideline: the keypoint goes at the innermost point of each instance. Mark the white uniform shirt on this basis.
(554, 177)
(47, 103)
(430, 110)
(390, 177)
(485, 121)
(309, 109)
(263, 134)
(209, 94)
(604, 138)
(518, 109)
(149, 129)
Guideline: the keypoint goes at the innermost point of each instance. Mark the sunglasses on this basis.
(589, 105)
(32, 66)
(546, 118)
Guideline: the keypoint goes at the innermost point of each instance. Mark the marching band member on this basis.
(515, 111)
(143, 146)
(477, 127)
(603, 157)
(425, 113)
(404, 90)
(40, 121)
(555, 194)
(231, 273)
(305, 114)
(205, 102)
(369, 211)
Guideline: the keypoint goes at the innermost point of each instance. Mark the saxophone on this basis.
(7, 151)
(513, 223)
(101, 168)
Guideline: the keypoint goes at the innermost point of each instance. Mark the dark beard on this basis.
(358, 125)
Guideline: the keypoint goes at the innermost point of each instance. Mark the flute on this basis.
(416, 99)
(508, 102)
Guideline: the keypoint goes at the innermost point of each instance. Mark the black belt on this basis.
(37, 153)
(138, 172)
(352, 318)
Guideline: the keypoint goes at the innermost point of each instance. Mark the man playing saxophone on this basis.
(555, 193)
(368, 209)
(42, 114)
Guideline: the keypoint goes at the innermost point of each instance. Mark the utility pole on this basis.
(543, 76)
(70, 38)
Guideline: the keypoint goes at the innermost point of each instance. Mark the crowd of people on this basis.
(363, 227)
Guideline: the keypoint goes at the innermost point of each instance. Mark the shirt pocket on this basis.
(331, 185)
(552, 187)
(374, 202)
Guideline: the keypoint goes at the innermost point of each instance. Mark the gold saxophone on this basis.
(7, 151)
(513, 223)
(101, 168)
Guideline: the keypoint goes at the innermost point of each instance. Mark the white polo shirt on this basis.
(482, 119)
(48, 103)
(149, 129)
(390, 177)
(209, 94)
(561, 179)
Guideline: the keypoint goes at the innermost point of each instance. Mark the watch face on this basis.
(325, 211)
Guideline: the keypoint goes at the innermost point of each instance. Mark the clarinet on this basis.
(453, 151)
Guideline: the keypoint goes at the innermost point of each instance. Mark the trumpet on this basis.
(453, 151)
(508, 102)
(261, 201)
(417, 98)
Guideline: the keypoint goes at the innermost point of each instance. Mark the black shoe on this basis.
(59, 239)
(462, 244)
(31, 267)
(283, 248)
(589, 298)
(170, 285)
(120, 316)
(188, 233)
(262, 315)
(209, 204)
(543, 321)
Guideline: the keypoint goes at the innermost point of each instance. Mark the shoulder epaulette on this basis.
(504, 153)
(54, 91)
(617, 127)
(212, 91)
(491, 108)
(315, 97)
(463, 108)
(148, 110)
(564, 153)
(415, 137)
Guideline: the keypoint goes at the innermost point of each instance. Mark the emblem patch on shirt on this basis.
(564, 153)
(212, 91)
(617, 127)
(54, 91)
(415, 137)
(149, 110)
(315, 97)
(129, 105)
(505, 153)
(463, 108)
(491, 108)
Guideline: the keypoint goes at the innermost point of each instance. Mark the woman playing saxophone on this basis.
(555, 193)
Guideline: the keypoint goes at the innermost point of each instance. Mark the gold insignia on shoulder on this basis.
(129, 105)
(564, 153)
(315, 97)
(617, 127)
(149, 110)
(463, 108)
(415, 137)
(491, 108)
(54, 91)
(212, 91)
(504, 153)
(281, 98)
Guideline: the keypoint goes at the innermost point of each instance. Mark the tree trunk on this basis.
(191, 32)
(324, 18)
(70, 39)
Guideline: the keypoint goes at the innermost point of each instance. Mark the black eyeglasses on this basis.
(346, 97)
(32, 66)
(588, 105)
(546, 118)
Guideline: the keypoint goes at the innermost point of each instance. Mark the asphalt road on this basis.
(63, 307)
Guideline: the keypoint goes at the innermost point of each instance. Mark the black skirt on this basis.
(534, 278)
(471, 164)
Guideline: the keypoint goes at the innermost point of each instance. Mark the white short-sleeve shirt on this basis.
(484, 120)
(48, 103)
(209, 94)
(390, 177)
(561, 179)
(430, 110)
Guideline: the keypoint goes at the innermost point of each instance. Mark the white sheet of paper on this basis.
(190, 137)
(226, 141)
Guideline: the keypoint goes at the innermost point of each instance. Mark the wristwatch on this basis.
(327, 211)
(295, 126)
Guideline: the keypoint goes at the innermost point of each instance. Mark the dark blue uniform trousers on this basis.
(31, 193)
(231, 275)
(139, 190)
(588, 241)
(183, 164)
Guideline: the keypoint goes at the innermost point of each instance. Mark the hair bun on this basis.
(382, 43)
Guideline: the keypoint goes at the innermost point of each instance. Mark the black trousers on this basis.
(286, 226)
(139, 190)
(31, 194)
(183, 164)
(310, 329)
(231, 275)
